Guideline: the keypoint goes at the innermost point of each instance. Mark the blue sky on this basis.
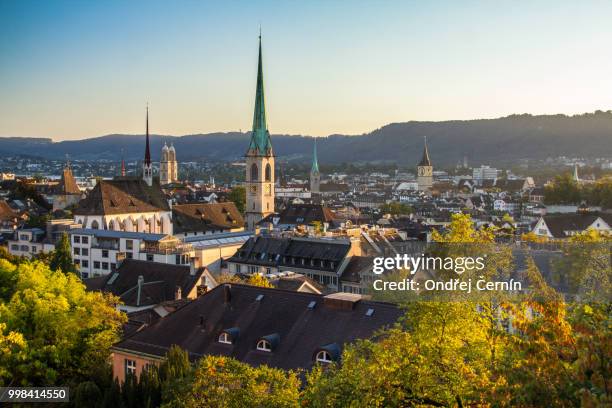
(76, 69)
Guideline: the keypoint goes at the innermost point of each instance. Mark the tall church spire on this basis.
(425, 159)
(315, 161)
(147, 168)
(147, 158)
(260, 137)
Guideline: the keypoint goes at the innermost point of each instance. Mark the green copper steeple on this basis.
(260, 137)
(315, 162)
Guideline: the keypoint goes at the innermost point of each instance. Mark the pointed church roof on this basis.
(425, 159)
(147, 159)
(260, 137)
(315, 162)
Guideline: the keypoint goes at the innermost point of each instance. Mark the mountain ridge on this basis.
(507, 138)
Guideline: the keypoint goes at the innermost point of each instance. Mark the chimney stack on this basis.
(140, 283)
(227, 293)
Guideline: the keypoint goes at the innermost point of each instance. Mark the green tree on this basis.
(395, 208)
(226, 383)
(62, 256)
(238, 196)
(55, 331)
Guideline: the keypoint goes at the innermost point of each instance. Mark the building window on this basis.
(129, 244)
(76, 239)
(25, 248)
(85, 240)
(85, 263)
(264, 345)
(105, 266)
(77, 251)
(84, 251)
(225, 338)
(95, 225)
(96, 264)
(268, 172)
(105, 253)
(253, 172)
(34, 249)
(130, 367)
(129, 255)
(150, 257)
(323, 357)
(15, 247)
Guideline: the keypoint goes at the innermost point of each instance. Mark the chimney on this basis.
(178, 293)
(227, 293)
(140, 283)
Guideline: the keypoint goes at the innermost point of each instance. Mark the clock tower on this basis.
(425, 171)
(259, 161)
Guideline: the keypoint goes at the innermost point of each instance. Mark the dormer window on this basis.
(229, 336)
(268, 343)
(324, 357)
(264, 345)
(327, 354)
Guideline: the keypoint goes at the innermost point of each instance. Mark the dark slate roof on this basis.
(559, 223)
(358, 264)
(123, 195)
(302, 331)
(333, 187)
(160, 282)
(206, 217)
(302, 214)
(289, 252)
(295, 282)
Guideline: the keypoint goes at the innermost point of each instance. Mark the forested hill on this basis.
(482, 141)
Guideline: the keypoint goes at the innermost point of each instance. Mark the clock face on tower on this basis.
(421, 171)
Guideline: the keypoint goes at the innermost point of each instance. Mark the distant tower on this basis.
(259, 160)
(164, 166)
(576, 177)
(315, 175)
(122, 164)
(425, 171)
(147, 167)
(173, 169)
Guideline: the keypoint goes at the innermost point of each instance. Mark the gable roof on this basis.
(273, 251)
(558, 224)
(68, 184)
(121, 196)
(302, 214)
(206, 217)
(160, 282)
(301, 330)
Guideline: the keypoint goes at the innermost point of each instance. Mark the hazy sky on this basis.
(75, 69)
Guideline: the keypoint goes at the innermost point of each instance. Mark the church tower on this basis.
(168, 167)
(425, 171)
(164, 166)
(259, 160)
(147, 167)
(315, 175)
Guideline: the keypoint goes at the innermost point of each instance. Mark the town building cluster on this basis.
(167, 247)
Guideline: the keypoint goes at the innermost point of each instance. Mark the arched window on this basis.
(324, 357)
(268, 172)
(225, 338)
(253, 172)
(264, 345)
(95, 225)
